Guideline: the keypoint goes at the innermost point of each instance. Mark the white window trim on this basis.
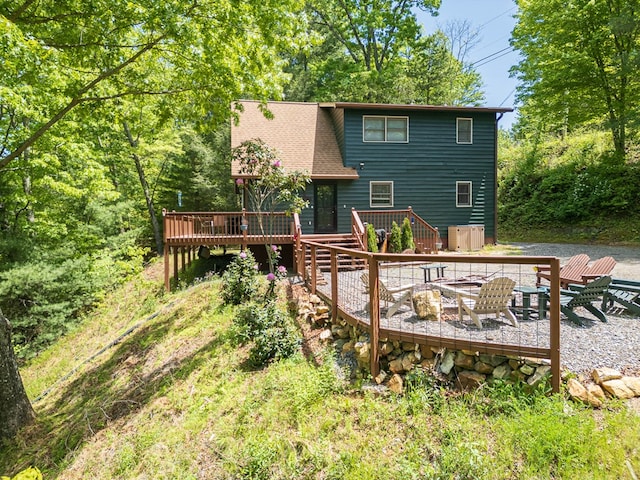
(371, 184)
(458, 131)
(466, 182)
(386, 117)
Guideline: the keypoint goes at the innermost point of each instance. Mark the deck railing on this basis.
(206, 228)
(425, 236)
(349, 298)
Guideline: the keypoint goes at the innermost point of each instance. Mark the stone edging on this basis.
(462, 369)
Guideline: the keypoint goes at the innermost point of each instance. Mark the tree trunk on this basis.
(145, 188)
(150, 207)
(15, 408)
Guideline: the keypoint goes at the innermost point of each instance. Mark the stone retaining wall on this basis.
(459, 369)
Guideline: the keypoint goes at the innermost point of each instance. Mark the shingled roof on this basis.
(302, 133)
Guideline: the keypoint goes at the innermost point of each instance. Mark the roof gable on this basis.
(302, 133)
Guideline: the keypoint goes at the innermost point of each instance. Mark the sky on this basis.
(492, 56)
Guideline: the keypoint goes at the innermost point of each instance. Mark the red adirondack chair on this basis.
(572, 268)
(599, 268)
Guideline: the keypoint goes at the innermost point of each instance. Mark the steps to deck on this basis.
(323, 257)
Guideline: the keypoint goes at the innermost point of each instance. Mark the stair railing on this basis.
(425, 236)
(358, 231)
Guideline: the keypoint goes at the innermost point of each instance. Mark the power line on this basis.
(507, 97)
(496, 17)
(494, 58)
(489, 58)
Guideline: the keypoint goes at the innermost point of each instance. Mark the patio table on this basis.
(438, 267)
(526, 308)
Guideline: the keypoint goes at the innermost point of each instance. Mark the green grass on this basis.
(175, 399)
(605, 231)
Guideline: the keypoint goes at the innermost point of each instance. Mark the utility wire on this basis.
(492, 55)
(507, 97)
(492, 59)
(496, 17)
(111, 344)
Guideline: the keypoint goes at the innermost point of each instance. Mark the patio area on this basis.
(595, 344)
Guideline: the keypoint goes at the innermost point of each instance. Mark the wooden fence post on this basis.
(334, 285)
(554, 322)
(314, 276)
(374, 313)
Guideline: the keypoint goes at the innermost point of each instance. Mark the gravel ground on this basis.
(615, 344)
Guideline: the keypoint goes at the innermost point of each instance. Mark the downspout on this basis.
(495, 169)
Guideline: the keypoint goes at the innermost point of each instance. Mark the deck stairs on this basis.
(323, 257)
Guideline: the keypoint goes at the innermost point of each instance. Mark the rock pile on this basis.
(606, 383)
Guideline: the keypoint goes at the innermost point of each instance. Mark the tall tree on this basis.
(580, 64)
(375, 51)
(437, 77)
(362, 44)
(373, 32)
(62, 59)
(60, 55)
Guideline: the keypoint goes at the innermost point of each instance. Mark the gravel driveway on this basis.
(614, 344)
(627, 258)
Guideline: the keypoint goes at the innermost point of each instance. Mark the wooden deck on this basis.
(186, 232)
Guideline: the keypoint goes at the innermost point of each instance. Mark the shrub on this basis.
(372, 239)
(31, 473)
(43, 300)
(407, 236)
(269, 329)
(395, 238)
(240, 280)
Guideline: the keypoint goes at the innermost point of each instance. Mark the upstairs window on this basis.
(381, 194)
(463, 194)
(385, 129)
(464, 130)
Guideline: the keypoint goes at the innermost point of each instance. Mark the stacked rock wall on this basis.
(462, 369)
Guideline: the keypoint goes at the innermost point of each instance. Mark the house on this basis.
(440, 160)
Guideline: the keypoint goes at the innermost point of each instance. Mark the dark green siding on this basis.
(424, 170)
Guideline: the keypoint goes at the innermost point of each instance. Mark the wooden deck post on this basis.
(167, 283)
(374, 313)
(165, 249)
(554, 321)
(334, 285)
(244, 226)
(314, 278)
(175, 264)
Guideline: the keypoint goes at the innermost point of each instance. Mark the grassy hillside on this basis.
(172, 397)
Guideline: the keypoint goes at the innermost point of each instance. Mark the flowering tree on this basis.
(268, 187)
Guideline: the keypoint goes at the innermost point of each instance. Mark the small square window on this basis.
(381, 194)
(464, 130)
(463, 194)
(397, 130)
(374, 128)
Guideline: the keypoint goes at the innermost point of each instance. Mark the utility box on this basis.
(466, 237)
